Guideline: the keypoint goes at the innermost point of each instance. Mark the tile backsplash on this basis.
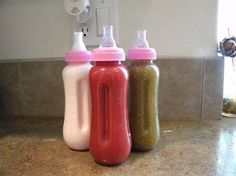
(180, 88)
(189, 88)
(31, 88)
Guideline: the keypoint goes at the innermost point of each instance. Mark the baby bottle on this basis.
(143, 95)
(77, 120)
(110, 141)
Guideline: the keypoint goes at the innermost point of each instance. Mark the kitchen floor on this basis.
(34, 146)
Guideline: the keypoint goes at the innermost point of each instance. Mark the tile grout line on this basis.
(20, 85)
(203, 86)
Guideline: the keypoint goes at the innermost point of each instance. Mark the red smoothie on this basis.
(110, 141)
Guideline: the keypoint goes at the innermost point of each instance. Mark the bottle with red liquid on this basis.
(110, 141)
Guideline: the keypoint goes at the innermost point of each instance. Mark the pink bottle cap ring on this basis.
(78, 56)
(108, 54)
(142, 54)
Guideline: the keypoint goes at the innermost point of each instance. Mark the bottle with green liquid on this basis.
(143, 95)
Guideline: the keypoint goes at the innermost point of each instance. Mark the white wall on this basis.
(176, 28)
(33, 29)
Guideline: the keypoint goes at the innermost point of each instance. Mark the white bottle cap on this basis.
(107, 39)
(78, 44)
(78, 52)
(141, 41)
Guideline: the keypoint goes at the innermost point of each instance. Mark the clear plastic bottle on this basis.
(77, 120)
(110, 142)
(143, 95)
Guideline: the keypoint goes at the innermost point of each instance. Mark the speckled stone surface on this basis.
(34, 146)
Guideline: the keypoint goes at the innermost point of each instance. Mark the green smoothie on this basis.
(143, 104)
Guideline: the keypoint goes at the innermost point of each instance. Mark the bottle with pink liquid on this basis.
(76, 128)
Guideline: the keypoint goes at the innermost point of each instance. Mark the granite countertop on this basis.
(34, 146)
